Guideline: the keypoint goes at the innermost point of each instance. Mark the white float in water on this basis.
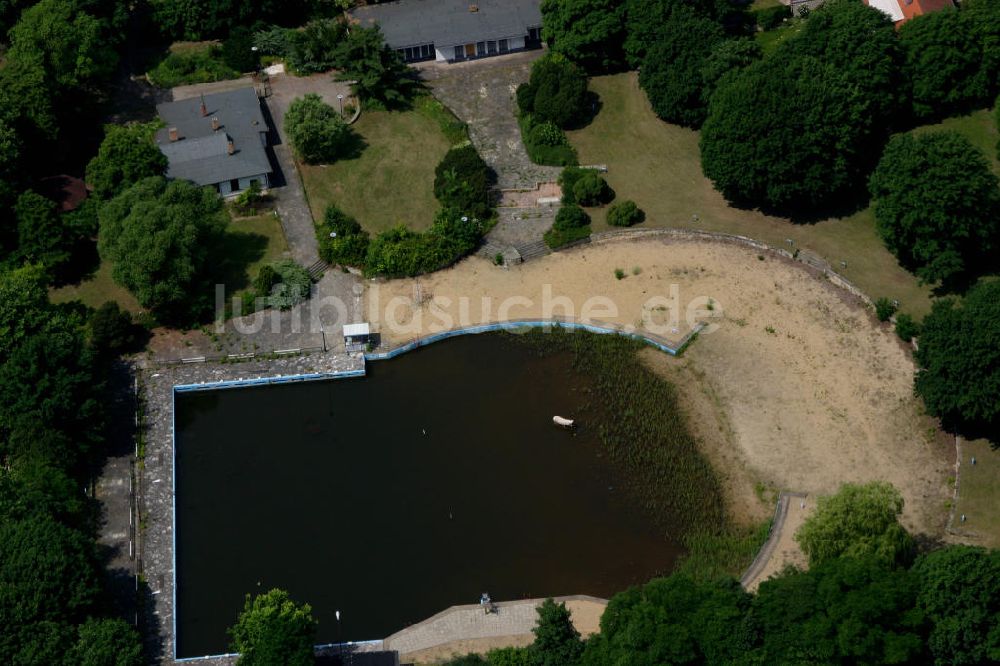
(565, 423)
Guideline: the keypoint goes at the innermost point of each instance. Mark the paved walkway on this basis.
(482, 93)
(780, 549)
(290, 198)
(513, 621)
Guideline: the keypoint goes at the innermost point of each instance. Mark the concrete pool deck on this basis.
(156, 477)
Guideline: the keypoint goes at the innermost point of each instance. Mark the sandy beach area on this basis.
(794, 386)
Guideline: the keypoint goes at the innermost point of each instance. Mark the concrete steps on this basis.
(533, 250)
(317, 270)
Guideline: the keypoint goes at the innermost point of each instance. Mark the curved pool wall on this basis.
(659, 343)
(655, 341)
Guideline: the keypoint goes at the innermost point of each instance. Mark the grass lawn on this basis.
(97, 290)
(769, 39)
(392, 180)
(658, 166)
(249, 243)
(979, 493)
(979, 127)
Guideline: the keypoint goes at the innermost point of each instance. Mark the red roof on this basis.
(914, 8)
(67, 191)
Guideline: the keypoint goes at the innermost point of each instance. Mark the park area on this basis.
(250, 242)
(658, 166)
(389, 179)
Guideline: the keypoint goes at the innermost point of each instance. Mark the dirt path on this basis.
(814, 392)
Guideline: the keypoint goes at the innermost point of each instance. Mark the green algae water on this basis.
(437, 477)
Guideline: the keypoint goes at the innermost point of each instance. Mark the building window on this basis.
(491, 47)
(427, 50)
(234, 185)
(504, 46)
(459, 52)
(481, 48)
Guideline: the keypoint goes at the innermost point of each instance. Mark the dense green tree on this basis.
(785, 134)
(981, 22)
(47, 572)
(857, 521)
(317, 47)
(107, 642)
(49, 406)
(316, 130)
(556, 92)
(959, 359)
(937, 205)
(24, 307)
(9, 11)
(238, 50)
(32, 488)
(671, 72)
(206, 19)
(557, 642)
(463, 181)
(377, 72)
(42, 238)
(727, 57)
(111, 329)
(68, 43)
(943, 71)
(846, 611)
(960, 594)
(860, 42)
(273, 629)
(162, 237)
(645, 20)
(588, 32)
(672, 620)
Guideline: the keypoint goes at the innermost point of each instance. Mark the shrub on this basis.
(556, 92)
(266, 278)
(316, 48)
(202, 66)
(619, 274)
(625, 214)
(567, 180)
(571, 224)
(293, 287)
(462, 180)
(884, 309)
(543, 146)
(317, 132)
(400, 252)
(906, 327)
(350, 244)
(273, 41)
(592, 190)
(571, 217)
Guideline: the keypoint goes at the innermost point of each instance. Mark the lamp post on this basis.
(340, 98)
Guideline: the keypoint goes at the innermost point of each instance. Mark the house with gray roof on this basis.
(218, 140)
(454, 30)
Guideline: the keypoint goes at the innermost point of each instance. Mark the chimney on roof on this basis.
(204, 109)
(473, 8)
(230, 146)
(172, 133)
(215, 123)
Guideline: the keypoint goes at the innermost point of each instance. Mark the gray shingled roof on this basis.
(201, 154)
(450, 22)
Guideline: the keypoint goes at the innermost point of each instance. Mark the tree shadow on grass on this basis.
(353, 146)
(239, 250)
